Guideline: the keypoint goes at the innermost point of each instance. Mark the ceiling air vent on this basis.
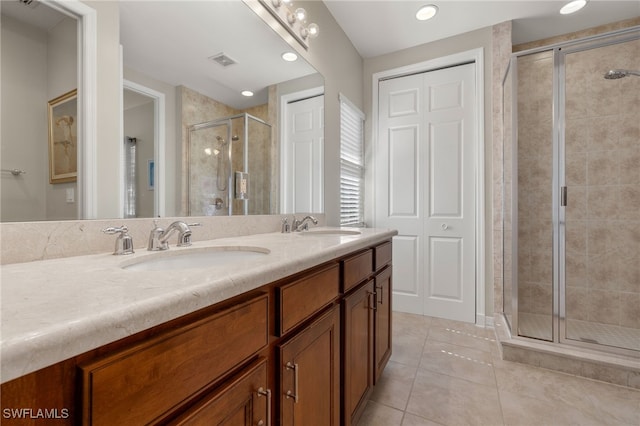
(30, 3)
(223, 59)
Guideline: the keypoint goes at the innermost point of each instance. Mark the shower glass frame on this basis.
(559, 320)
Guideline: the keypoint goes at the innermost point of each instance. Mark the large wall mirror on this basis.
(186, 126)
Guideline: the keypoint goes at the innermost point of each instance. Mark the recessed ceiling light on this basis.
(289, 56)
(426, 12)
(573, 6)
(247, 93)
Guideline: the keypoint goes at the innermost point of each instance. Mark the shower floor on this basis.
(541, 326)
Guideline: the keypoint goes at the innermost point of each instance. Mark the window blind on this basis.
(351, 164)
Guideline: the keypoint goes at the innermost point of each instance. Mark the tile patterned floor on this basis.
(450, 373)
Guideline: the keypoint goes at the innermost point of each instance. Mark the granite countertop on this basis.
(53, 310)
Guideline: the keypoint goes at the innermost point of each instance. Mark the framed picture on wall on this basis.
(63, 142)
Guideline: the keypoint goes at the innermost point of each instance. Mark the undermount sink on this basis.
(197, 258)
(329, 232)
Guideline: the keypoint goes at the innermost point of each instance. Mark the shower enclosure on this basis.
(230, 167)
(571, 183)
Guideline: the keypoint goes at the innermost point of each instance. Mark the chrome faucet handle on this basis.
(154, 238)
(124, 242)
(286, 228)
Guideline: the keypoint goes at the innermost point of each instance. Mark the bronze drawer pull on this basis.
(293, 394)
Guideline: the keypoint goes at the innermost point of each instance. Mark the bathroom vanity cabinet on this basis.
(367, 325)
(304, 350)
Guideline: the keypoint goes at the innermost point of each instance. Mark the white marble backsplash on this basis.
(30, 241)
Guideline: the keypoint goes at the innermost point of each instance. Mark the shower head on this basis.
(616, 74)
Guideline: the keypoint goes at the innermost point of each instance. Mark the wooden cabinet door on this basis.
(383, 321)
(243, 400)
(358, 318)
(310, 374)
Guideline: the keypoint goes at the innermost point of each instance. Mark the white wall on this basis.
(24, 121)
(108, 107)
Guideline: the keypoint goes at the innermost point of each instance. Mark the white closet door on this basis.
(425, 188)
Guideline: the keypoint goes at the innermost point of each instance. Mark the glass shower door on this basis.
(533, 163)
(209, 169)
(602, 215)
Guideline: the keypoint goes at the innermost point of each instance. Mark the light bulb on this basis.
(289, 56)
(301, 14)
(573, 7)
(314, 29)
(247, 93)
(426, 12)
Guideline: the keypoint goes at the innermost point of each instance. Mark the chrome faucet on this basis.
(159, 237)
(124, 242)
(303, 225)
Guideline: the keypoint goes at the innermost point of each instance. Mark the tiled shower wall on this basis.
(603, 180)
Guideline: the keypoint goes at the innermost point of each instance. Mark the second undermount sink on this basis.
(196, 258)
(329, 232)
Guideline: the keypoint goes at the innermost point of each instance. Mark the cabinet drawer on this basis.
(382, 255)
(140, 384)
(302, 298)
(242, 400)
(356, 269)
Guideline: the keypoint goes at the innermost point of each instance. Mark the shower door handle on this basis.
(563, 196)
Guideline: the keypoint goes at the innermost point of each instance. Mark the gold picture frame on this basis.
(63, 142)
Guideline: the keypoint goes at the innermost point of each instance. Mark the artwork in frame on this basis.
(63, 142)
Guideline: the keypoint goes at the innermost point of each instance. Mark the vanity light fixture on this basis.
(573, 6)
(247, 93)
(294, 21)
(426, 12)
(289, 56)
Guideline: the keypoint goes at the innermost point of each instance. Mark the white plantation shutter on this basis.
(351, 164)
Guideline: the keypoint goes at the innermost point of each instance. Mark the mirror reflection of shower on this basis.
(218, 152)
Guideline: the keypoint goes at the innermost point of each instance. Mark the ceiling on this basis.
(172, 42)
(378, 27)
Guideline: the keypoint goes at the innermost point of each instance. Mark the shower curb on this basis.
(616, 369)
